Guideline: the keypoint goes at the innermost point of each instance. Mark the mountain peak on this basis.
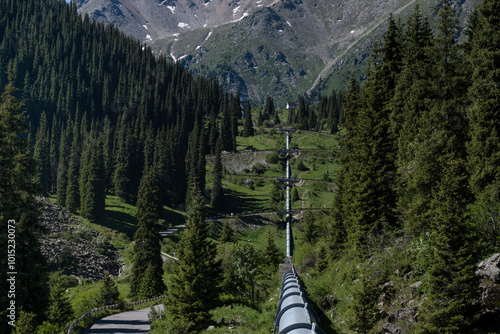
(308, 40)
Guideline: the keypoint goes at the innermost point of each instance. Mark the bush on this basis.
(121, 241)
(81, 233)
(259, 183)
(272, 158)
(100, 241)
(258, 168)
(48, 328)
(301, 166)
(66, 280)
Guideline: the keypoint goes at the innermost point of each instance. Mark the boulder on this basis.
(490, 268)
(391, 329)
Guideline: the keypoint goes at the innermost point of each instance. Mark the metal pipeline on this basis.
(295, 314)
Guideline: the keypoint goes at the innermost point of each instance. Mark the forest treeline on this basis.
(420, 159)
(88, 111)
(102, 107)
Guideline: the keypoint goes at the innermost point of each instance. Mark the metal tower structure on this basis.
(288, 182)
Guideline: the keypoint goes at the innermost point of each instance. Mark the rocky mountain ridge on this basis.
(280, 48)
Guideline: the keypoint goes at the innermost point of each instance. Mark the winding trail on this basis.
(131, 322)
(326, 70)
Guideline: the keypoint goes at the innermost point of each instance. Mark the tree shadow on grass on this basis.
(119, 221)
(238, 202)
(171, 218)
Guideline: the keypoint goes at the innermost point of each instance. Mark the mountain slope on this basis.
(279, 48)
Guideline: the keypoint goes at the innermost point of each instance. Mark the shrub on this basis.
(100, 241)
(259, 183)
(301, 166)
(272, 158)
(81, 233)
(66, 281)
(258, 168)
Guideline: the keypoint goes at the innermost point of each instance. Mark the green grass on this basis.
(258, 238)
(240, 198)
(119, 216)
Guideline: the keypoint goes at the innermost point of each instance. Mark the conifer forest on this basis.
(87, 113)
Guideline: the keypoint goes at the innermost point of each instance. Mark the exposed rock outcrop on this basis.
(490, 268)
(71, 246)
(489, 271)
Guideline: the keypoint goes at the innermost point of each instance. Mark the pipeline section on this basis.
(295, 314)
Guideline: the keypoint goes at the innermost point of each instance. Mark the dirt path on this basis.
(136, 322)
(326, 70)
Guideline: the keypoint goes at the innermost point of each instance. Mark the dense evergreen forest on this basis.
(420, 151)
(420, 161)
(90, 112)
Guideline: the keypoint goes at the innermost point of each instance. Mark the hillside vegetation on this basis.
(402, 171)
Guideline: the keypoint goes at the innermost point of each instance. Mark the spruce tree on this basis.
(55, 136)
(450, 281)
(147, 247)
(60, 310)
(260, 119)
(412, 106)
(62, 169)
(73, 190)
(272, 256)
(19, 208)
(93, 180)
(108, 153)
(227, 234)
(217, 193)
(193, 290)
(108, 293)
(483, 113)
(235, 116)
(42, 155)
(248, 124)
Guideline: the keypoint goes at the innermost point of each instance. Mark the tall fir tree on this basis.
(42, 155)
(450, 282)
(19, 211)
(483, 113)
(108, 293)
(62, 169)
(248, 123)
(227, 234)
(60, 310)
(410, 118)
(193, 290)
(73, 190)
(93, 182)
(217, 193)
(108, 152)
(147, 247)
(271, 254)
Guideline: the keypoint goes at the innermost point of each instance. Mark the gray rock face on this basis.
(490, 268)
(275, 48)
(70, 246)
(391, 329)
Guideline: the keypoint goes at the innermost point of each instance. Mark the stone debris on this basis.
(71, 246)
